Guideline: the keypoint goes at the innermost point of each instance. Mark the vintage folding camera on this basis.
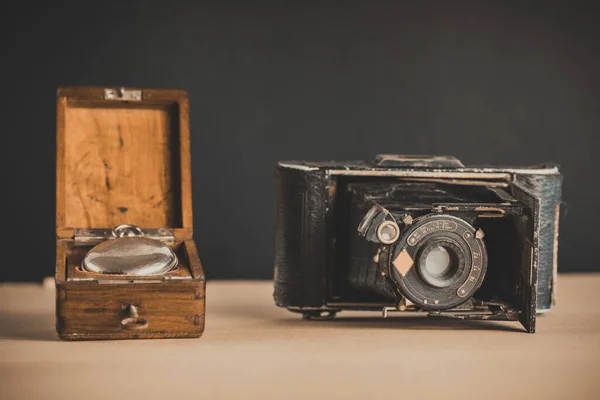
(126, 262)
(417, 234)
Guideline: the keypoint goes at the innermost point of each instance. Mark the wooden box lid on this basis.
(123, 157)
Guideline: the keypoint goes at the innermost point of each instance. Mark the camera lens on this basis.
(441, 262)
(438, 261)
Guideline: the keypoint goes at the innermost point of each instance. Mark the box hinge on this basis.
(89, 235)
(123, 94)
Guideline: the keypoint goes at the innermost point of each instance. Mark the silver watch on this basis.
(130, 253)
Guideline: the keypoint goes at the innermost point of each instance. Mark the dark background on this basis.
(490, 82)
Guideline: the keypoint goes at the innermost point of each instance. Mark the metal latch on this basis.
(417, 161)
(101, 234)
(123, 94)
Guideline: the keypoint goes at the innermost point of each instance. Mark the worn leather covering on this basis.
(548, 189)
(300, 240)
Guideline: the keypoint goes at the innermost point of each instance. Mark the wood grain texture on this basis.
(61, 260)
(61, 106)
(123, 162)
(189, 247)
(117, 168)
(173, 309)
(187, 219)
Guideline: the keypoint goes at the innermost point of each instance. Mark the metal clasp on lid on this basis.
(123, 94)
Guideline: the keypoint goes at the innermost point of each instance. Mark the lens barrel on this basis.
(438, 262)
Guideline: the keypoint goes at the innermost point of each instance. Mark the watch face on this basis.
(130, 256)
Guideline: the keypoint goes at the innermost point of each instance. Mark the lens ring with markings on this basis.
(438, 287)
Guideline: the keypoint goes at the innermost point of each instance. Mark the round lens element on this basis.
(441, 262)
(388, 232)
(437, 261)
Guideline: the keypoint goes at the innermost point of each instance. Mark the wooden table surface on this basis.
(252, 349)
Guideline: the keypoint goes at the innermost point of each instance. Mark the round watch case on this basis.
(130, 253)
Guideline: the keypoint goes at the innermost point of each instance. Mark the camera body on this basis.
(417, 234)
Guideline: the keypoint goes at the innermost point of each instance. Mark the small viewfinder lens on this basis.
(388, 232)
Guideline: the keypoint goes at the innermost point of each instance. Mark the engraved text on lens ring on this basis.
(430, 227)
(477, 265)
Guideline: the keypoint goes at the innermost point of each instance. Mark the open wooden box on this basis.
(123, 157)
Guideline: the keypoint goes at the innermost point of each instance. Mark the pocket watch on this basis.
(130, 253)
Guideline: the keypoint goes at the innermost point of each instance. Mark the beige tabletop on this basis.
(252, 349)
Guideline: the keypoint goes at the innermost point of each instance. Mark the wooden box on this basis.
(123, 157)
